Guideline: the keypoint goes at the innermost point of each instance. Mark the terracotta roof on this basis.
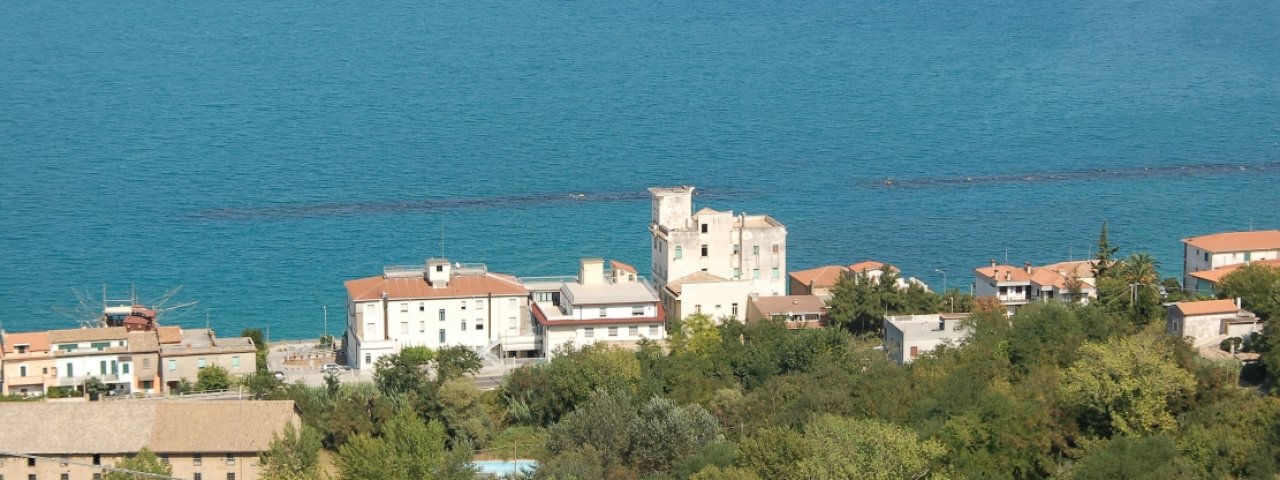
(784, 304)
(1082, 268)
(78, 335)
(53, 428)
(460, 286)
(169, 334)
(824, 276)
(1208, 307)
(1004, 273)
(870, 265)
(143, 342)
(1215, 275)
(1237, 241)
(38, 341)
(622, 266)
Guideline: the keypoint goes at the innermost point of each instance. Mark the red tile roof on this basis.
(1215, 275)
(622, 266)
(784, 304)
(870, 265)
(38, 341)
(1237, 241)
(1004, 273)
(168, 335)
(460, 286)
(825, 276)
(1208, 307)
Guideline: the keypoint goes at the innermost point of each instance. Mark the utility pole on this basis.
(944, 279)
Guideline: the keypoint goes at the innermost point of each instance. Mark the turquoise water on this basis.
(261, 153)
(508, 468)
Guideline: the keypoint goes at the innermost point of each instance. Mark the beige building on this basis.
(599, 306)
(797, 311)
(906, 337)
(28, 364)
(710, 261)
(437, 305)
(1015, 287)
(819, 281)
(199, 440)
(1210, 252)
(1208, 323)
(184, 352)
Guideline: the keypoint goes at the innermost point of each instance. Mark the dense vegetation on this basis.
(1060, 390)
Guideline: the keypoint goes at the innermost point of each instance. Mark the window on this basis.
(231, 460)
(1248, 256)
(589, 332)
(704, 228)
(511, 324)
(367, 359)
(704, 250)
(124, 368)
(735, 310)
(197, 460)
(776, 274)
(479, 324)
(146, 385)
(637, 311)
(97, 459)
(96, 476)
(464, 304)
(173, 365)
(231, 476)
(22, 371)
(146, 362)
(235, 362)
(100, 345)
(915, 352)
(71, 371)
(31, 476)
(31, 462)
(65, 476)
(755, 273)
(737, 273)
(1206, 256)
(441, 314)
(199, 363)
(479, 304)
(22, 349)
(755, 249)
(613, 331)
(442, 336)
(422, 326)
(775, 249)
(653, 330)
(679, 252)
(737, 249)
(697, 308)
(196, 476)
(369, 328)
(633, 331)
(67, 347)
(604, 312)
(512, 304)
(404, 307)
(422, 306)
(464, 325)
(404, 327)
(102, 367)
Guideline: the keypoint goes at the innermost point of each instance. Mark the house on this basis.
(1208, 280)
(184, 352)
(598, 306)
(28, 363)
(102, 353)
(906, 337)
(437, 305)
(213, 440)
(710, 261)
(796, 311)
(1208, 323)
(1209, 252)
(1014, 287)
(819, 281)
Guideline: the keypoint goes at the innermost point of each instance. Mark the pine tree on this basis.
(1106, 252)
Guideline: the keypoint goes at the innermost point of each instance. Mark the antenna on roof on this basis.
(1006, 255)
(442, 240)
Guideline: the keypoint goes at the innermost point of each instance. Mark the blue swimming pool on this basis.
(500, 468)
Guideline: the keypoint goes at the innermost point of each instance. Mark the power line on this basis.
(95, 467)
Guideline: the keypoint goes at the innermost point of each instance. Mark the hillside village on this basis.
(720, 317)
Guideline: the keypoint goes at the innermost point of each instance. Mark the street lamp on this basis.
(944, 279)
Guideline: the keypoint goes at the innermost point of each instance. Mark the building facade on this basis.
(1207, 323)
(615, 307)
(906, 337)
(1209, 252)
(436, 306)
(796, 311)
(745, 253)
(1014, 287)
(199, 348)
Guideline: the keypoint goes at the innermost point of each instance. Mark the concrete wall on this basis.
(715, 300)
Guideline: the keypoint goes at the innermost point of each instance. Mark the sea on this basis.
(253, 156)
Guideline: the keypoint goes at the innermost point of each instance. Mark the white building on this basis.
(1015, 287)
(1208, 323)
(599, 306)
(102, 353)
(906, 337)
(438, 305)
(710, 261)
(1219, 250)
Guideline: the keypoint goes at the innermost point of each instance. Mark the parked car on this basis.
(334, 368)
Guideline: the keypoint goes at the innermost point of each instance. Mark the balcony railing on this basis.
(80, 379)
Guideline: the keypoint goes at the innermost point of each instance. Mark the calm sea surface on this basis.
(260, 153)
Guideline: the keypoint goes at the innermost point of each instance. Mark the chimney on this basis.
(993, 262)
(592, 271)
(1238, 304)
(1026, 266)
(438, 271)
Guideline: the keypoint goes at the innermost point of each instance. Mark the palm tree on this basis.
(1141, 273)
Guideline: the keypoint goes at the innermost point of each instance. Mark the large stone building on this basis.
(710, 262)
(199, 440)
(613, 306)
(1213, 252)
(436, 306)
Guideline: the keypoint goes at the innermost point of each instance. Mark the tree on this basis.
(213, 378)
(403, 372)
(452, 363)
(407, 449)
(844, 448)
(1126, 386)
(145, 461)
(773, 452)
(292, 455)
(1153, 458)
(93, 387)
(1130, 289)
(540, 394)
(262, 384)
(259, 342)
(601, 423)
(662, 434)
(1257, 286)
(1106, 254)
(728, 473)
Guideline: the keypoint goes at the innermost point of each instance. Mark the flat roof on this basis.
(610, 293)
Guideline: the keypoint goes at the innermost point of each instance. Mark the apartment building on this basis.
(199, 440)
(613, 306)
(28, 363)
(437, 305)
(710, 261)
(906, 337)
(184, 352)
(1015, 287)
(1214, 252)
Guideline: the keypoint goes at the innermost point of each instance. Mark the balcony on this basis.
(80, 379)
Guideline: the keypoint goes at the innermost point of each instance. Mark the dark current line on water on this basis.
(1065, 176)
